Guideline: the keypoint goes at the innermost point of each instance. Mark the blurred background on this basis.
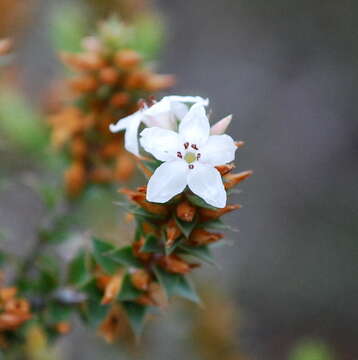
(287, 71)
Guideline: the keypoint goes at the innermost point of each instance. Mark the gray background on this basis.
(287, 70)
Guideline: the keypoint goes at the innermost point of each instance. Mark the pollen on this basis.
(190, 157)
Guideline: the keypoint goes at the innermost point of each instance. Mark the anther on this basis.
(191, 166)
(194, 147)
(186, 145)
(198, 156)
(179, 155)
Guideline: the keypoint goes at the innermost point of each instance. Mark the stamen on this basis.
(191, 166)
(186, 145)
(194, 147)
(198, 155)
(179, 155)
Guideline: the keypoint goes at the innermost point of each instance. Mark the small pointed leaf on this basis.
(124, 256)
(201, 252)
(136, 315)
(100, 253)
(128, 291)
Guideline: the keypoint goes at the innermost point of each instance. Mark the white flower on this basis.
(190, 157)
(164, 114)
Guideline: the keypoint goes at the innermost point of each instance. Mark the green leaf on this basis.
(216, 224)
(151, 245)
(124, 256)
(176, 285)
(169, 250)
(201, 252)
(100, 253)
(141, 213)
(136, 315)
(79, 273)
(186, 290)
(93, 312)
(56, 312)
(197, 201)
(128, 291)
(186, 227)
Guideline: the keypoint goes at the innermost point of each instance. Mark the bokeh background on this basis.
(287, 285)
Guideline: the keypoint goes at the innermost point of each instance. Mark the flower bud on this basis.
(158, 82)
(110, 150)
(157, 294)
(221, 126)
(5, 46)
(186, 211)
(7, 293)
(173, 232)
(17, 306)
(174, 264)
(63, 327)
(91, 61)
(141, 280)
(109, 75)
(101, 175)
(140, 199)
(113, 325)
(79, 148)
(135, 80)
(202, 237)
(84, 84)
(112, 289)
(127, 59)
(208, 214)
(125, 167)
(145, 300)
(120, 99)
(225, 169)
(232, 180)
(75, 178)
(137, 246)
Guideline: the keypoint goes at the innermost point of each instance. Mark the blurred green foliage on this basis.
(68, 27)
(20, 123)
(311, 350)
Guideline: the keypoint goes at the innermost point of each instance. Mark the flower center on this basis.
(190, 157)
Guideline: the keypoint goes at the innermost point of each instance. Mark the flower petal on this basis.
(168, 180)
(161, 143)
(188, 99)
(131, 134)
(195, 127)
(179, 109)
(123, 123)
(160, 114)
(218, 150)
(206, 182)
(221, 126)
